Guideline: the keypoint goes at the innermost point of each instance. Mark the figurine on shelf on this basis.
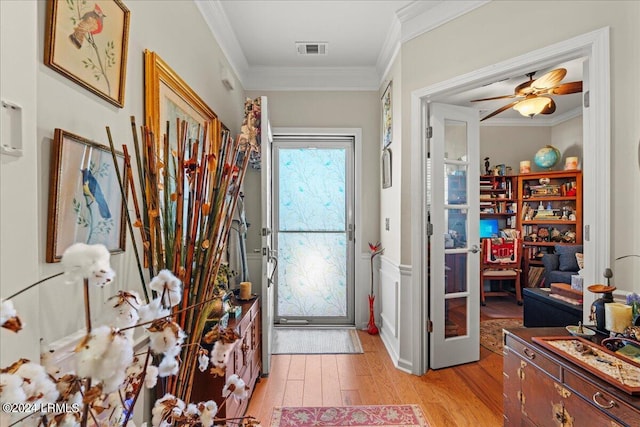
(486, 166)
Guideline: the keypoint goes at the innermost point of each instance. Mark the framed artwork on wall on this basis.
(168, 98)
(85, 200)
(387, 117)
(87, 43)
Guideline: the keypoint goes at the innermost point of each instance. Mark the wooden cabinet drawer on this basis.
(530, 354)
(604, 401)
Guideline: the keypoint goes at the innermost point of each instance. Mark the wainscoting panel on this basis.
(389, 296)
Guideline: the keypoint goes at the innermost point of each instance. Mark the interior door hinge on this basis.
(265, 231)
(429, 229)
(586, 99)
(429, 132)
(429, 326)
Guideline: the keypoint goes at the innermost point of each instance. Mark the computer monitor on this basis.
(489, 227)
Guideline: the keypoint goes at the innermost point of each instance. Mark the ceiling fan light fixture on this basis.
(531, 106)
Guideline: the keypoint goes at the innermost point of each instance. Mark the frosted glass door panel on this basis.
(314, 239)
(312, 189)
(312, 278)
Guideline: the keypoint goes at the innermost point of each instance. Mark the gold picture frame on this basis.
(167, 98)
(85, 200)
(87, 43)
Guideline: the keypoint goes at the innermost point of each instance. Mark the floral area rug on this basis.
(356, 416)
(491, 332)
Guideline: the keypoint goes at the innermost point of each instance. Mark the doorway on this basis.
(314, 224)
(596, 150)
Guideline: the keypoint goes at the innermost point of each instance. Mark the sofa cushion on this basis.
(567, 257)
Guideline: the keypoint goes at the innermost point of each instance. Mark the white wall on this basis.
(493, 33)
(567, 137)
(19, 225)
(177, 32)
(511, 144)
(390, 198)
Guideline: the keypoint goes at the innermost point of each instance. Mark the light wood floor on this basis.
(467, 395)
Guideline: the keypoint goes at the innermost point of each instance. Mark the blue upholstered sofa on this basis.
(561, 265)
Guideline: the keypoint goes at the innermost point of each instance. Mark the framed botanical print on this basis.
(387, 119)
(85, 199)
(168, 98)
(87, 43)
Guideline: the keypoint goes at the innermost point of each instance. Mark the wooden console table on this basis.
(245, 361)
(543, 389)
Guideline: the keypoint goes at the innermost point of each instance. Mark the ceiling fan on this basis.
(534, 94)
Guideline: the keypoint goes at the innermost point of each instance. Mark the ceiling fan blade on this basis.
(549, 80)
(523, 89)
(550, 108)
(566, 88)
(493, 98)
(500, 110)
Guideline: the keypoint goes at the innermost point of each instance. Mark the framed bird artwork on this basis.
(86, 41)
(85, 197)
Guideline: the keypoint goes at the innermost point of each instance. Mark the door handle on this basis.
(273, 256)
(474, 249)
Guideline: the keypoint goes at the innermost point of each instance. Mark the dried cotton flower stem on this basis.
(135, 397)
(87, 308)
(33, 285)
(123, 193)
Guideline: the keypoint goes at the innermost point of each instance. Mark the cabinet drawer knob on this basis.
(529, 353)
(609, 405)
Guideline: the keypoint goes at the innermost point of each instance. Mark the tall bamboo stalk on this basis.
(189, 191)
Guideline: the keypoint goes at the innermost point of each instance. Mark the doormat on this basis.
(352, 416)
(491, 332)
(315, 341)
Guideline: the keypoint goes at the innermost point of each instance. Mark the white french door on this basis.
(269, 262)
(452, 199)
(313, 217)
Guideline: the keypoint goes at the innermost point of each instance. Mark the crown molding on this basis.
(412, 20)
(389, 50)
(422, 16)
(224, 33)
(312, 78)
(547, 121)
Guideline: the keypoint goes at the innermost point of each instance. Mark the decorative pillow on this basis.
(567, 257)
(580, 260)
(501, 250)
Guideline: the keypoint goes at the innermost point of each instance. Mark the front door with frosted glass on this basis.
(313, 222)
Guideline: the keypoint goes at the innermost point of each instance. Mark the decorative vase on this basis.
(372, 328)
(597, 307)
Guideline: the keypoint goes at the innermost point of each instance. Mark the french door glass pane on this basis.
(455, 317)
(312, 278)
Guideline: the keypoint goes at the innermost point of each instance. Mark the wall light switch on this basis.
(386, 224)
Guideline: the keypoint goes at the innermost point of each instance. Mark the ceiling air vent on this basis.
(311, 48)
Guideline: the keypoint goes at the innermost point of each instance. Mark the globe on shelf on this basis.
(547, 157)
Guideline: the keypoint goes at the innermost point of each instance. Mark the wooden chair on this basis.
(500, 260)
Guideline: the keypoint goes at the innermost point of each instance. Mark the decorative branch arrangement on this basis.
(188, 193)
